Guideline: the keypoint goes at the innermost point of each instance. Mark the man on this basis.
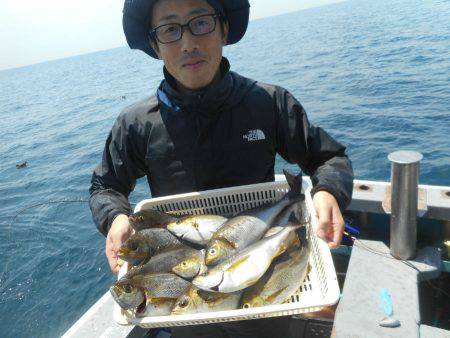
(208, 127)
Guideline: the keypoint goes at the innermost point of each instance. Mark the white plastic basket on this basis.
(319, 289)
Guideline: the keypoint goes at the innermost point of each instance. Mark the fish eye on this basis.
(133, 246)
(127, 288)
(184, 263)
(184, 302)
(212, 251)
(246, 306)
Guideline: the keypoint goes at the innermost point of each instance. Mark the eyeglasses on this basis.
(171, 32)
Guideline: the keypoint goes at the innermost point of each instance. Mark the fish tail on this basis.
(295, 184)
(299, 228)
(295, 222)
(302, 235)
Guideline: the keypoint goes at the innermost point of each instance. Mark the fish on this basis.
(191, 266)
(284, 277)
(236, 234)
(196, 229)
(249, 226)
(147, 219)
(139, 290)
(164, 261)
(195, 300)
(127, 295)
(246, 267)
(142, 245)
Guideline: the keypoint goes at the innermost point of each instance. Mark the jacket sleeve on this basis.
(317, 153)
(115, 177)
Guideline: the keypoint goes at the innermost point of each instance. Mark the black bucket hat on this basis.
(136, 21)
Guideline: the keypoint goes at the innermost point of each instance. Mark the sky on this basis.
(37, 31)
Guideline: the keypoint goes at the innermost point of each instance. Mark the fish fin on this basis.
(145, 261)
(273, 231)
(228, 243)
(161, 300)
(308, 270)
(295, 184)
(299, 226)
(154, 219)
(293, 218)
(293, 245)
(251, 282)
(210, 297)
(203, 269)
(135, 218)
(302, 235)
(236, 264)
(281, 249)
(181, 219)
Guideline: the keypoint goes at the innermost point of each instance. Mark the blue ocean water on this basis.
(374, 74)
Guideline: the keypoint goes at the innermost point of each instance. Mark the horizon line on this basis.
(125, 45)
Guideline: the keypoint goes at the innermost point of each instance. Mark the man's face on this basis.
(193, 60)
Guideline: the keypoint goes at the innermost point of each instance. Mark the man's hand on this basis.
(331, 222)
(119, 232)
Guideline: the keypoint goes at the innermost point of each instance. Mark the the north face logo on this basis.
(254, 135)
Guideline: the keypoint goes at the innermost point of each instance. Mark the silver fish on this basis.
(236, 234)
(196, 229)
(249, 226)
(246, 267)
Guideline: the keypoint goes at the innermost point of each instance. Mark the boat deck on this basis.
(360, 309)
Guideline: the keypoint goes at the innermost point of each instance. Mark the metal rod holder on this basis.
(404, 203)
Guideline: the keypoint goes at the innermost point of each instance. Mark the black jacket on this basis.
(226, 136)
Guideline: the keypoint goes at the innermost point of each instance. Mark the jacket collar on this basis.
(211, 101)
